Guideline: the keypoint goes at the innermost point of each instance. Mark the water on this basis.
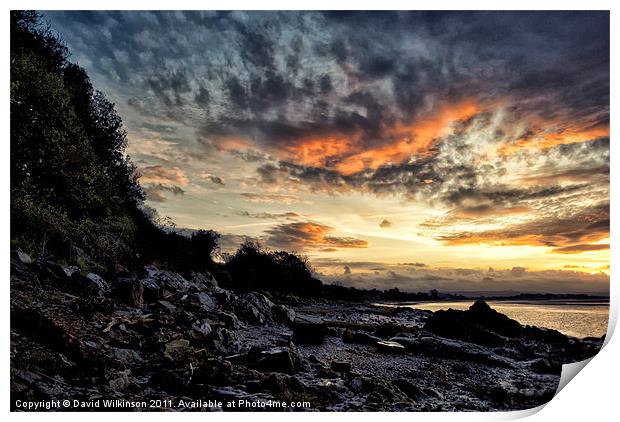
(573, 318)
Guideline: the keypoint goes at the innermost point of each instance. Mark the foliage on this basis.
(72, 187)
(254, 268)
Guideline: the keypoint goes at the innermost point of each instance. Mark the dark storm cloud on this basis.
(250, 63)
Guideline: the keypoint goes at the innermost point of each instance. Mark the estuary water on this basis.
(574, 318)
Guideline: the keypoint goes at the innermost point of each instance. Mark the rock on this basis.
(174, 347)
(278, 359)
(205, 301)
(127, 356)
(359, 337)
(167, 305)
(544, 366)
(440, 347)
(340, 366)
(122, 381)
(283, 314)
(410, 389)
(204, 279)
(229, 320)
(226, 341)
(129, 291)
(22, 257)
(253, 308)
(387, 346)
(308, 329)
(167, 280)
(94, 284)
(201, 330)
(71, 270)
(480, 324)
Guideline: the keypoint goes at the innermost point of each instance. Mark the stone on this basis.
(174, 347)
(253, 308)
(340, 366)
(22, 257)
(283, 314)
(480, 324)
(127, 356)
(431, 345)
(93, 283)
(229, 320)
(359, 337)
(122, 381)
(410, 389)
(169, 306)
(308, 329)
(201, 330)
(71, 270)
(388, 346)
(278, 359)
(206, 280)
(129, 291)
(205, 301)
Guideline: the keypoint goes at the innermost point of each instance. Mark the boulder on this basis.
(309, 329)
(480, 324)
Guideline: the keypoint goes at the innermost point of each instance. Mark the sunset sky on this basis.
(457, 151)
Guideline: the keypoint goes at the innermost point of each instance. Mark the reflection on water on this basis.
(573, 318)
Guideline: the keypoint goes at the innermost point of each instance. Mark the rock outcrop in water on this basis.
(162, 336)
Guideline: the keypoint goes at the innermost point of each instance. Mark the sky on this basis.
(460, 151)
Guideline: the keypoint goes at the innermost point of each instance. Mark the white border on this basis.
(591, 395)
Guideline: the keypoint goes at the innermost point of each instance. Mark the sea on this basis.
(576, 318)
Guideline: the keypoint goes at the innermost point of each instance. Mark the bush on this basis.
(253, 268)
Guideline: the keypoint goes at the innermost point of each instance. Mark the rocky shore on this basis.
(157, 340)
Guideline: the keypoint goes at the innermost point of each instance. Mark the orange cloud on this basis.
(163, 175)
(349, 154)
(310, 235)
(409, 139)
(548, 138)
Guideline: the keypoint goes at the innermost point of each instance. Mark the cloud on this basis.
(271, 198)
(158, 174)
(566, 234)
(385, 224)
(157, 193)
(309, 235)
(214, 179)
(268, 216)
(581, 248)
